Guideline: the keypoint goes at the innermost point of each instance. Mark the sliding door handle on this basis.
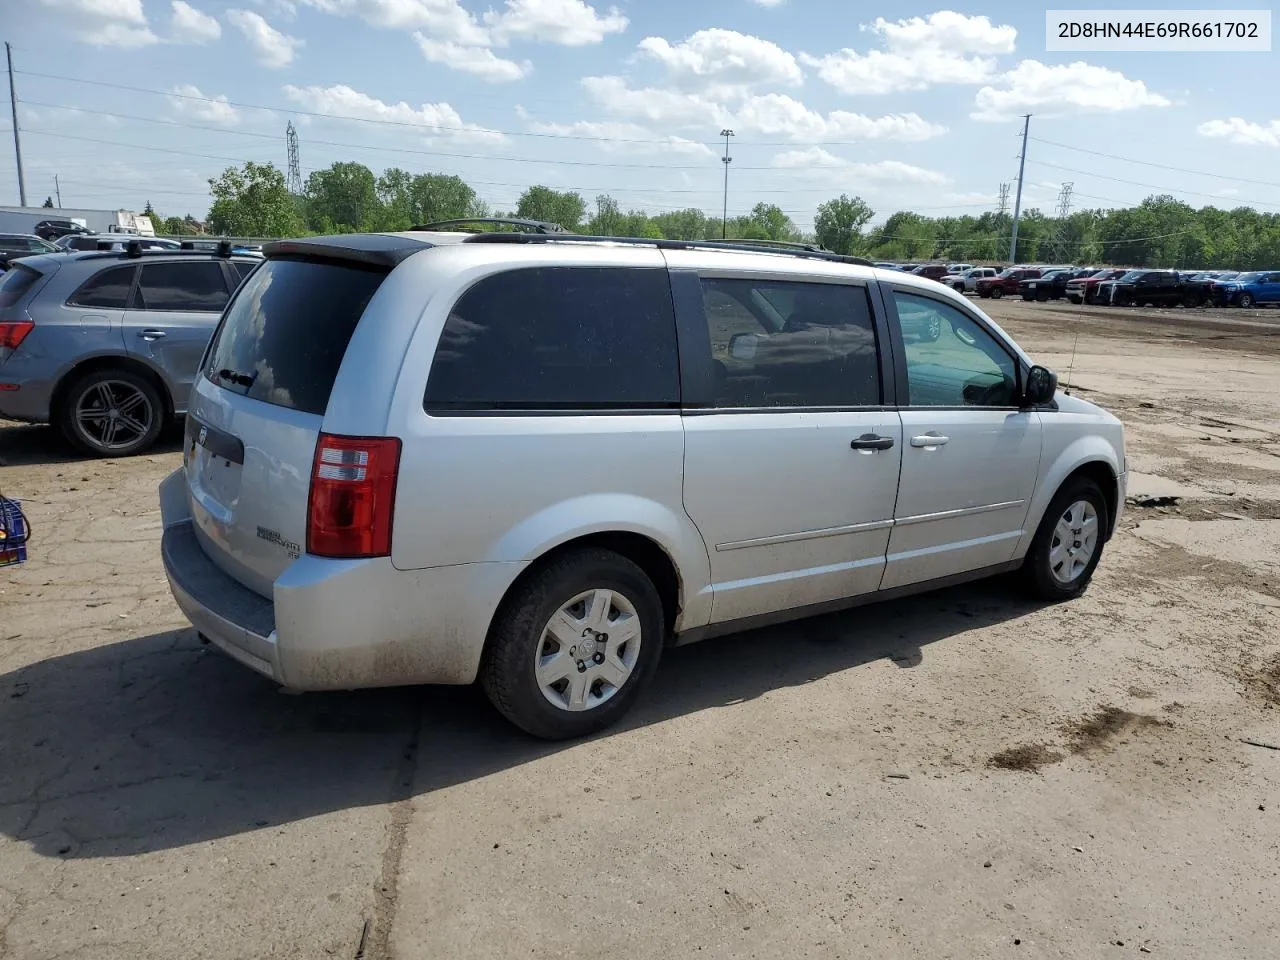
(929, 440)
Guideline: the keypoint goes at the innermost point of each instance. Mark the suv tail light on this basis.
(353, 492)
(12, 333)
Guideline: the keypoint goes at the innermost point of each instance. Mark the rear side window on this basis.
(242, 268)
(283, 338)
(191, 286)
(107, 290)
(778, 343)
(15, 283)
(571, 338)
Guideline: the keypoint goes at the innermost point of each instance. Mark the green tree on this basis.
(838, 223)
(252, 201)
(607, 219)
(342, 198)
(768, 220)
(150, 211)
(688, 224)
(543, 203)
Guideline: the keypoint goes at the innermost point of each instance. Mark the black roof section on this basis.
(529, 226)
(373, 249)
(737, 246)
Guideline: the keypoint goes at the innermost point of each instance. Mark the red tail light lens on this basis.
(12, 333)
(353, 492)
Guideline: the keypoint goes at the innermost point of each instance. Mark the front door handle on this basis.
(871, 441)
(929, 440)
(150, 335)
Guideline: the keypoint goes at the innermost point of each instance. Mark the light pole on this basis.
(726, 160)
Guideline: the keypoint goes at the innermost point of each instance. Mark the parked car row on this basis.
(1118, 286)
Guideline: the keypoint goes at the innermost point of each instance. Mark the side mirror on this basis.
(742, 346)
(1041, 386)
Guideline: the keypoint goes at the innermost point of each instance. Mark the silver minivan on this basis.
(537, 460)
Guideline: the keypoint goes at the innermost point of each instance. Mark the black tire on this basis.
(997, 293)
(1191, 300)
(507, 673)
(984, 294)
(1075, 299)
(82, 393)
(1042, 296)
(1037, 573)
(1246, 301)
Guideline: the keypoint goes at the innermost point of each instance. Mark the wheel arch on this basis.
(1091, 457)
(109, 361)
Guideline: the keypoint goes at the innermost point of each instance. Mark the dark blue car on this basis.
(1249, 289)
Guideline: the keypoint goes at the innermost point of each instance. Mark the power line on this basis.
(1148, 163)
(1151, 186)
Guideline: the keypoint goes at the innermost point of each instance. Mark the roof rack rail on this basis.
(735, 246)
(532, 226)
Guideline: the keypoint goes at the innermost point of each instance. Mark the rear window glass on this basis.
(15, 283)
(576, 338)
(243, 268)
(192, 286)
(283, 337)
(108, 290)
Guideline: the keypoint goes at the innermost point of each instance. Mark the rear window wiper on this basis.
(239, 379)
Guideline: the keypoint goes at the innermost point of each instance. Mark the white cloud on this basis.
(724, 60)
(274, 49)
(945, 30)
(1245, 132)
(479, 61)
(210, 109)
(768, 3)
(826, 165)
(668, 107)
(282, 9)
(107, 23)
(189, 25)
(920, 52)
(443, 19)
(1079, 87)
(775, 113)
(616, 136)
(342, 102)
(569, 23)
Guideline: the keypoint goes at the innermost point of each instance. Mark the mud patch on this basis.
(1264, 681)
(1096, 731)
(1029, 757)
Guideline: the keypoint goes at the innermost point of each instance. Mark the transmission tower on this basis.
(1061, 248)
(295, 168)
(1003, 206)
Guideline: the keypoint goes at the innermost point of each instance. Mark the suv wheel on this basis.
(1068, 544)
(112, 413)
(571, 648)
(997, 292)
(1246, 300)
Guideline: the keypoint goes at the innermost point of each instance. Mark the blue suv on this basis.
(1249, 289)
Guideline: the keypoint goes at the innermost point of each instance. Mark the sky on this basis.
(909, 106)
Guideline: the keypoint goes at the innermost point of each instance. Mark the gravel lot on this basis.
(958, 775)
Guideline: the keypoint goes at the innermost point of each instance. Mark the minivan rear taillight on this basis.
(12, 333)
(353, 492)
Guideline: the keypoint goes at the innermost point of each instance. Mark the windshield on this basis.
(1247, 277)
(1133, 275)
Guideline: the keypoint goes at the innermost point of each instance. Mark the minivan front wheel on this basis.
(1068, 543)
(112, 413)
(571, 648)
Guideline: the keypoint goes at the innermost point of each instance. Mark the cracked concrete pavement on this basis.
(963, 774)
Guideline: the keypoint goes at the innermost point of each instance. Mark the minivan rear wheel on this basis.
(112, 413)
(573, 645)
(1068, 543)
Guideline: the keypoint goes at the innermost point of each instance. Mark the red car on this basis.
(934, 271)
(1083, 289)
(1006, 281)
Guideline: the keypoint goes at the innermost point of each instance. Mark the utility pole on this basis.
(1017, 201)
(726, 160)
(1003, 206)
(57, 189)
(17, 140)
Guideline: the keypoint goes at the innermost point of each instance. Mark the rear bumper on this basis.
(336, 624)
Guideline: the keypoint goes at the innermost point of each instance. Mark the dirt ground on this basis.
(958, 775)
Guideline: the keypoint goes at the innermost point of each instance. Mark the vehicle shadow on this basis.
(27, 444)
(161, 741)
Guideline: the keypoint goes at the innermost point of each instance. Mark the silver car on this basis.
(106, 345)
(539, 460)
(967, 281)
